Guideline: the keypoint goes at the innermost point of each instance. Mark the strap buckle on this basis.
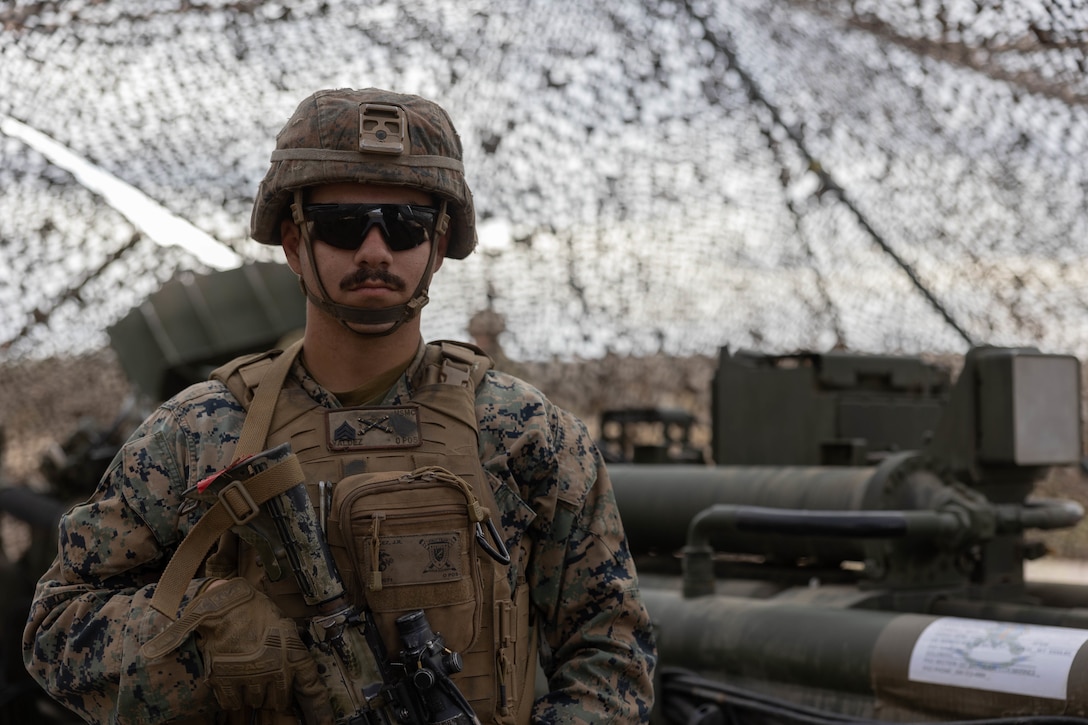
(454, 375)
(457, 366)
(238, 502)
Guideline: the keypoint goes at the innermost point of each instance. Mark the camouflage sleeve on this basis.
(91, 611)
(597, 642)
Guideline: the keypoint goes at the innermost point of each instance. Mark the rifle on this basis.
(366, 686)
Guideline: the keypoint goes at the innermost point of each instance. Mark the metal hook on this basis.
(500, 554)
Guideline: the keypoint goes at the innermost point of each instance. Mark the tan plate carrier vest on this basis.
(402, 542)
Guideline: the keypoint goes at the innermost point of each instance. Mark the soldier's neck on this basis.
(341, 360)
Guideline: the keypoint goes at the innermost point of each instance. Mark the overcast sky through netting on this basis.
(652, 176)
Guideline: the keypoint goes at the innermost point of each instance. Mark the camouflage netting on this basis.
(652, 178)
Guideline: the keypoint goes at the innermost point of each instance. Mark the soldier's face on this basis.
(375, 274)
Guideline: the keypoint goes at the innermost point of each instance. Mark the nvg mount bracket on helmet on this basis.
(383, 129)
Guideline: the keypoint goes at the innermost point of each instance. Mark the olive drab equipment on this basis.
(409, 518)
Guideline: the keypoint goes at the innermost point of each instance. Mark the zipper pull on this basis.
(375, 583)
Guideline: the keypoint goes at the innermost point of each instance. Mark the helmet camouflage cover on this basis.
(367, 136)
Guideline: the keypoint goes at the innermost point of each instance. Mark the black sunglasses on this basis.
(344, 226)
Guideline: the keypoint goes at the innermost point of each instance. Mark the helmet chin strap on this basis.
(346, 315)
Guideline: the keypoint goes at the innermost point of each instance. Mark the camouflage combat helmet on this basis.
(367, 136)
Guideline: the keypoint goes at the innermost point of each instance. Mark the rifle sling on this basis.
(228, 510)
(219, 518)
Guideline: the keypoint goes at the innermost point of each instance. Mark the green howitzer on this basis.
(366, 685)
(858, 549)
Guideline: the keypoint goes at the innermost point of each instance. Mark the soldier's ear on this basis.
(290, 239)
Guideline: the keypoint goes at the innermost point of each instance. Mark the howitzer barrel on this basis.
(658, 502)
(874, 663)
(736, 636)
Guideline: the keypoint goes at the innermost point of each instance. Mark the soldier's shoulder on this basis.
(209, 397)
(501, 386)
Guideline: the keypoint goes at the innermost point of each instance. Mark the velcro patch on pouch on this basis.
(427, 559)
(361, 429)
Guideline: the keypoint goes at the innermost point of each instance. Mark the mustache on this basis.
(367, 274)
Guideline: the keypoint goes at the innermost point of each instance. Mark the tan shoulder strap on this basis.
(242, 375)
(259, 416)
(234, 505)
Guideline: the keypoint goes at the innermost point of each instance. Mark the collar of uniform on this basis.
(404, 386)
(400, 390)
(311, 386)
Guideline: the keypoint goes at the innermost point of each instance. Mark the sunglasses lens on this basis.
(342, 234)
(344, 226)
(408, 226)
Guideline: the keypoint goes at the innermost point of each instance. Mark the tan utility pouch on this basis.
(426, 522)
